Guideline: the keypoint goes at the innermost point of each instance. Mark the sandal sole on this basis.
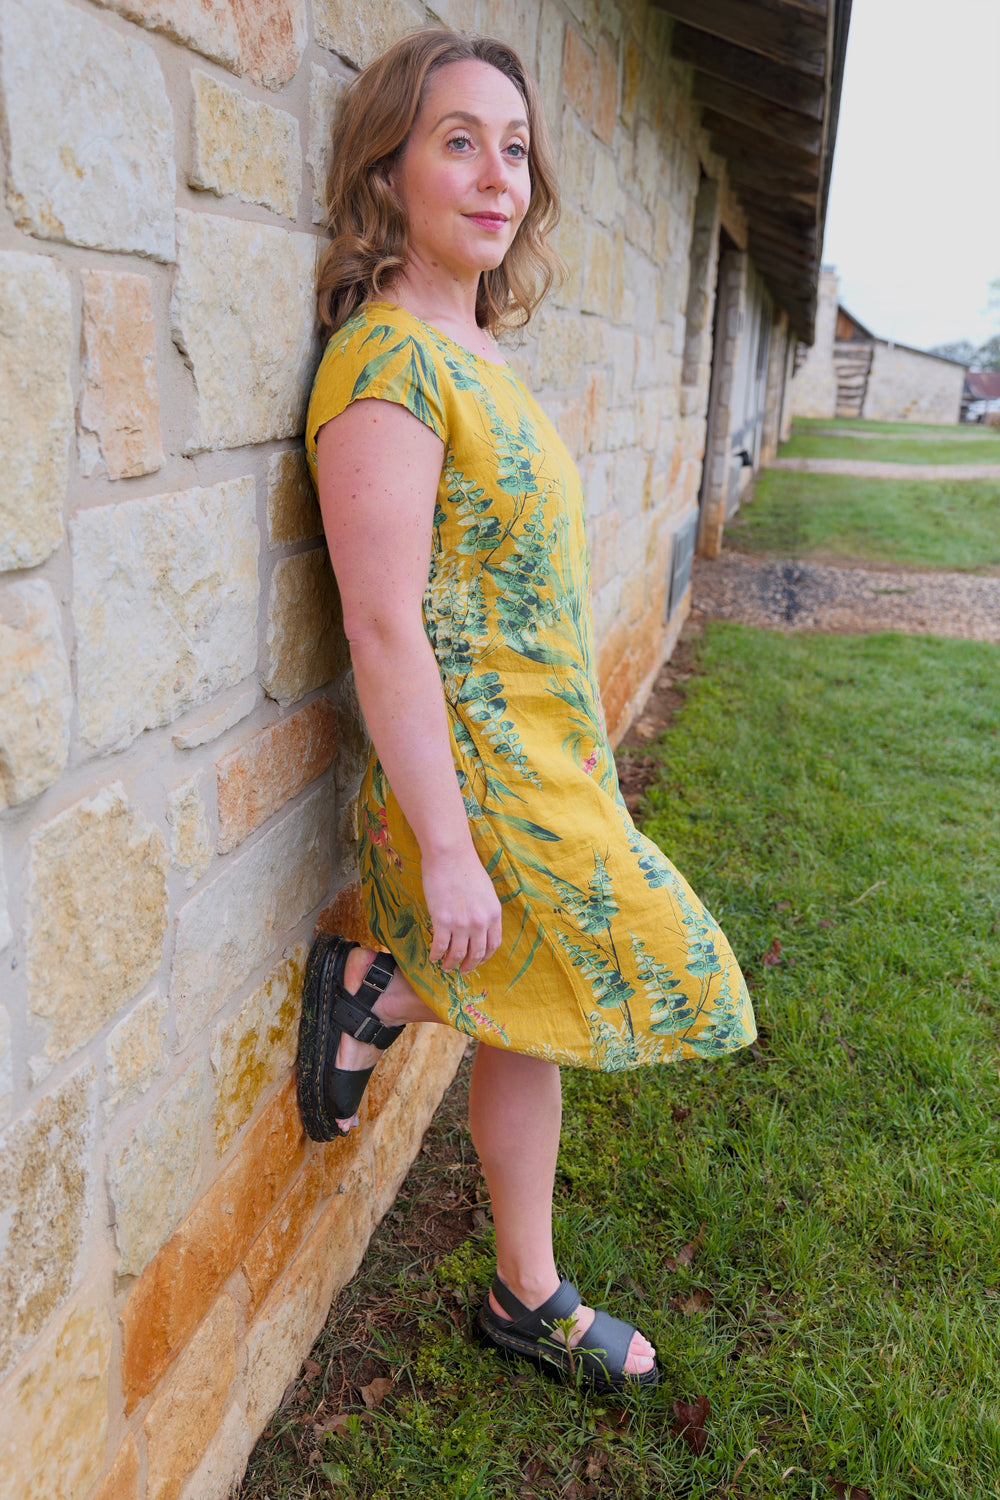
(315, 1036)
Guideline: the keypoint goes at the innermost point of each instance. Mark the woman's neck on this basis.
(449, 305)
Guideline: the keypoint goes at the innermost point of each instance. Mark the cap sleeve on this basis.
(375, 361)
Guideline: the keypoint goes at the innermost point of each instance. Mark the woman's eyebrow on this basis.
(467, 119)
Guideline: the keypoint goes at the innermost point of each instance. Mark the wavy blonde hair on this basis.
(364, 214)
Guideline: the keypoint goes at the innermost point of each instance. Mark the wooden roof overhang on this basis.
(768, 76)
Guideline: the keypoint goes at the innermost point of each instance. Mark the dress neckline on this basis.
(491, 364)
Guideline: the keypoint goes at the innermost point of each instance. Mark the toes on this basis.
(641, 1356)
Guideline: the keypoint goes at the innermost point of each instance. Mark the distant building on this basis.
(850, 372)
(981, 396)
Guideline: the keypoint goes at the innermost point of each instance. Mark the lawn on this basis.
(905, 522)
(810, 1231)
(896, 443)
(962, 430)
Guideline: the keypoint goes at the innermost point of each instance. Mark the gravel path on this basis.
(863, 468)
(789, 595)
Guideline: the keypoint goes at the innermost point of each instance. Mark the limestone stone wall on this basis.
(906, 385)
(180, 744)
(814, 386)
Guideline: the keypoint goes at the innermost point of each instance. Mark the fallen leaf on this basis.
(480, 1218)
(773, 955)
(375, 1393)
(311, 1369)
(687, 1253)
(337, 1425)
(851, 1054)
(699, 1299)
(680, 1112)
(841, 1491)
(596, 1464)
(824, 922)
(689, 1423)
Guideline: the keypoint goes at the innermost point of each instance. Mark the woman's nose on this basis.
(494, 170)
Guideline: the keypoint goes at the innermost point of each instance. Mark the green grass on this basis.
(908, 522)
(901, 429)
(836, 796)
(953, 445)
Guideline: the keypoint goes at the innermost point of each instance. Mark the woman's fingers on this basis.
(464, 910)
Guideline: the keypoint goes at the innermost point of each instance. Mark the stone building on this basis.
(180, 745)
(850, 372)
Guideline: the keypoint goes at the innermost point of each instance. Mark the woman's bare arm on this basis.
(378, 475)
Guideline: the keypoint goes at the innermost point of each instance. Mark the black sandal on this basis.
(599, 1356)
(328, 1093)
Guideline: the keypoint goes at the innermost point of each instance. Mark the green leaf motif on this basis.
(482, 696)
(592, 911)
(608, 985)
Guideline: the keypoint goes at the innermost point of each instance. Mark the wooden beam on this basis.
(748, 109)
(777, 29)
(744, 139)
(769, 80)
(762, 175)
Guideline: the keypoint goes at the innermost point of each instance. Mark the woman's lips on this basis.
(488, 221)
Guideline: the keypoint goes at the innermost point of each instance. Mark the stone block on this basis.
(345, 916)
(120, 407)
(293, 513)
(90, 131)
(605, 195)
(6, 1068)
(598, 279)
(177, 1288)
(569, 241)
(36, 406)
(265, 772)
(261, 39)
(306, 644)
(631, 79)
(6, 932)
(576, 165)
(224, 1460)
(359, 35)
(225, 931)
(551, 47)
(35, 692)
(190, 839)
(284, 1231)
(603, 532)
(288, 1322)
(580, 75)
(257, 1046)
(153, 1179)
(560, 351)
(324, 96)
(122, 1480)
(606, 92)
(178, 574)
(45, 1178)
(184, 1415)
(97, 903)
(407, 1109)
(217, 718)
(135, 1055)
(458, 15)
(54, 1418)
(243, 313)
(513, 21)
(243, 149)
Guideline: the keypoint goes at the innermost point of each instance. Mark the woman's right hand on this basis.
(464, 909)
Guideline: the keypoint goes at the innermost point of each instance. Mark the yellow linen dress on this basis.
(608, 958)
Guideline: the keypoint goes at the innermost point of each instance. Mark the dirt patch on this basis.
(637, 766)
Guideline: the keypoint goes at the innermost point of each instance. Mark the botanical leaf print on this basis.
(607, 959)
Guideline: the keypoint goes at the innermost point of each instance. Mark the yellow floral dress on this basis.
(608, 958)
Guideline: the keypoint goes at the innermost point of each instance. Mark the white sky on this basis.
(913, 225)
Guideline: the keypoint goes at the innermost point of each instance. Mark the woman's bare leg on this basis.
(515, 1112)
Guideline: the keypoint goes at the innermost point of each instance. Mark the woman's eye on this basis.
(459, 142)
(518, 149)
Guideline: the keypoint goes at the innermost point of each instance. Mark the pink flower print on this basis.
(590, 762)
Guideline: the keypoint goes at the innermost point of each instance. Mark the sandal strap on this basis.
(353, 1013)
(536, 1321)
(610, 1338)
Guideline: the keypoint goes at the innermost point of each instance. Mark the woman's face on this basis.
(463, 176)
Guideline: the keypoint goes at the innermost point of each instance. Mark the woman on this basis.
(501, 870)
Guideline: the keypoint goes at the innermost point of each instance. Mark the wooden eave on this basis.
(768, 75)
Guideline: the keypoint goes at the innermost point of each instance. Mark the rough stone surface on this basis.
(90, 129)
(305, 634)
(178, 572)
(135, 1055)
(293, 513)
(44, 1176)
(177, 1288)
(153, 1178)
(35, 692)
(122, 1480)
(231, 926)
(184, 1416)
(36, 406)
(256, 1047)
(215, 720)
(97, 899)
(403, 1103)
(120, 409)
(243, 313)
(361, 35)
(224, 1460)
(265, 772)
(262, 39)
(6, 1068)
(285, 1229)
(247, 150)
(324, 95)
(6, 932)
(190, 839)
(54, 1419)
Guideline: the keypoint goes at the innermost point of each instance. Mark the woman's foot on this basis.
(396, 1005)
(641, 1355)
